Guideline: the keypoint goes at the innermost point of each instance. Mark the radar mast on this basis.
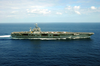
(36, 26)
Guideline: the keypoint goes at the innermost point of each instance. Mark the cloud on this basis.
(37, 6)
(77, 12)
(22, 8)
(59, 13)
(70, 7)
(93, 7)
(39, 11)
(76, 7)
(73, 10)
(41, 8)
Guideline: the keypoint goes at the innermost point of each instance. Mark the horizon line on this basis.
(51, 22)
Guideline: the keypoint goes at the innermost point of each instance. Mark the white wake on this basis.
(5, 36)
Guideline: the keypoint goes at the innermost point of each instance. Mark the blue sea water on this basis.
(80, 52)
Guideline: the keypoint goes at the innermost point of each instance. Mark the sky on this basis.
(49, 11)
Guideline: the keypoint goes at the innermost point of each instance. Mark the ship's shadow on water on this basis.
(86, 39)
(37, 41)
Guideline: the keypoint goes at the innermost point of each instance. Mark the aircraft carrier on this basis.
(36, 33)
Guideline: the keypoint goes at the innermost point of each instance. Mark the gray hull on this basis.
(36, 33)
(50, 35)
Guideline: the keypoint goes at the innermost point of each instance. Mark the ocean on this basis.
(77, 52)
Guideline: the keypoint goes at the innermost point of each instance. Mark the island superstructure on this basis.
(36, 33)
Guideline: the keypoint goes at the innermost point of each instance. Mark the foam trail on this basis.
(5, 36)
